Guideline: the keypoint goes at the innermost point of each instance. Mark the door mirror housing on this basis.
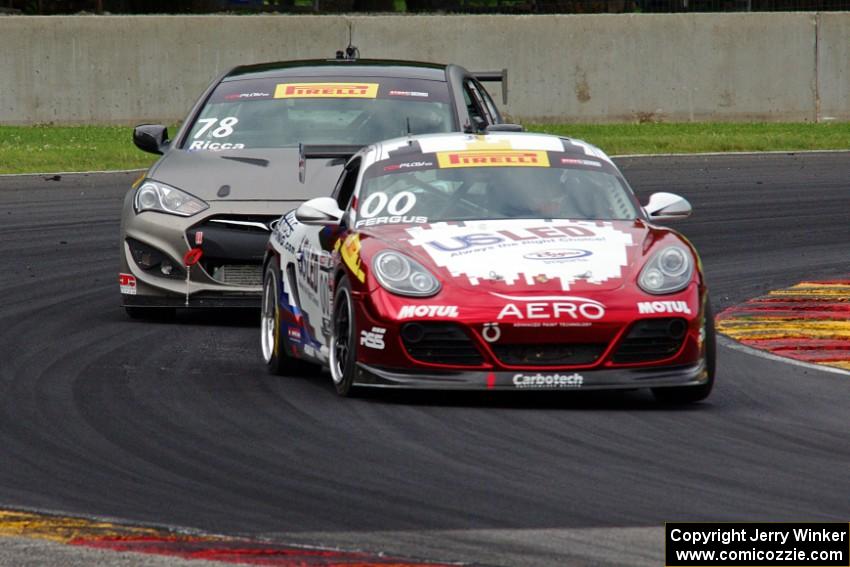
(667, 206)
(151, 138)
(321, 211)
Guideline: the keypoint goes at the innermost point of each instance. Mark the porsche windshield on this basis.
(422, 191)
(273, 113)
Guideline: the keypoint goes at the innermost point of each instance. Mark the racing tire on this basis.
(272, 347)
(150, 313)
(692, 394)
(343, 347)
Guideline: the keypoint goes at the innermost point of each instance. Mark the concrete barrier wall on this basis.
(591, 68)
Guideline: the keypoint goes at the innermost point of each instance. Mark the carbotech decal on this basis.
(538, 380)
(326, 90)
(350, 253)
(520, 249)
(493, 158)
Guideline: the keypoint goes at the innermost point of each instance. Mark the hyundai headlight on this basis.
(402, 275)
(669, 270)
(156, 196)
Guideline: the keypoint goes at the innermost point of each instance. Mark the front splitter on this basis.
(535, 380)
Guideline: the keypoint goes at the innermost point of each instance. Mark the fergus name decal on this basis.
(664, 307)
(550, 307)
(409, 311)
(548, 380)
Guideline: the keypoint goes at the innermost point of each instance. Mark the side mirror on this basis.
(667, 206)
(151, 138)
(321, 211)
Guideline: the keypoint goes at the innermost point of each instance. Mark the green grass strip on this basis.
(684, 138)
(37, 149)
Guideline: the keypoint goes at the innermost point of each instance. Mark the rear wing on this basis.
(494, 77)
(315, 151)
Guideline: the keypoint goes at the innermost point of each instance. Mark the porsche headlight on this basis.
(156, 196)
(669, 270)
(402, 275)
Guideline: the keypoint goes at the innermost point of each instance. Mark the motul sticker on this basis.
(664, 307)
(127, 283)
(493, 158)
(326, 90)
(427, 311)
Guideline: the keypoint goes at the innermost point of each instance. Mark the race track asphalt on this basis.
(179, 424)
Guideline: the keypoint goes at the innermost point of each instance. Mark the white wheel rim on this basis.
(336, 369)
(267, 323)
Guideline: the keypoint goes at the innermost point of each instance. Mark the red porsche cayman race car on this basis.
(501, 261)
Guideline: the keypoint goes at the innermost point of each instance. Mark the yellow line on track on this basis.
(63, 529)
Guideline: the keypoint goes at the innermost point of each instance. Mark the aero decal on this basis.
(516, 246)
(116, 537)
(809, 322)
(326, 90)
(493, 158)
(550, 307)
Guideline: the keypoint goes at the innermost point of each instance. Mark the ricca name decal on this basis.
(326, 90)
(573, 380)
(664, 307)
(493, 158)
(215, 146)
(408, 311)
(550, 307)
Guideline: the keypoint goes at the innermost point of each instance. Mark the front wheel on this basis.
(271, 345)
(691, 394)
(343, 348)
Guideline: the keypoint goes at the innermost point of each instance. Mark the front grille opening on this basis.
(440, 343)
(557, 354)
(236, 274)
(652, 339)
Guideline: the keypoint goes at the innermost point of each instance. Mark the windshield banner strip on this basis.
(326, 90)
(493, 158)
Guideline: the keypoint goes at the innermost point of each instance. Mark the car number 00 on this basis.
(398, 205)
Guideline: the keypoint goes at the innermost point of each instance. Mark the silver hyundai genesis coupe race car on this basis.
(260, 140)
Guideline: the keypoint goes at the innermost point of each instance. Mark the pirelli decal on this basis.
(326, 90)
(493, 158)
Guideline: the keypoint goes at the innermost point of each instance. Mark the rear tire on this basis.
(691, 394)
(343, 347)
(272, 347)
